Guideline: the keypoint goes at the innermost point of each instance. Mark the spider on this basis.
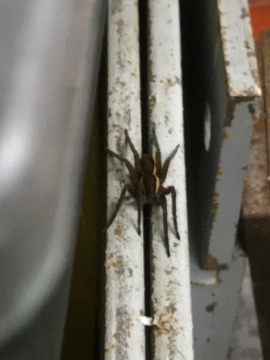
(147, 177)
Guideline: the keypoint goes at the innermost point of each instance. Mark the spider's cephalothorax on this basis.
(149, 181)
(147, 177)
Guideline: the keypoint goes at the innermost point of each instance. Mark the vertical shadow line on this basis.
(143, 41)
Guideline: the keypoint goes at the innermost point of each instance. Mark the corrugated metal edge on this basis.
(124, 337)
(171, 281)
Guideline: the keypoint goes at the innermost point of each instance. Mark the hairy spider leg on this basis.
(139, 202)
(158, 153)
(135, 153)
(134, 179)
(139, 205)
(132, 171)
(163, 203)
(166, 165)
(167, 191)
(118, 206)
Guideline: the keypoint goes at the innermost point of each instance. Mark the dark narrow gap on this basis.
(143, 41)
(194, 99)
(102, 200)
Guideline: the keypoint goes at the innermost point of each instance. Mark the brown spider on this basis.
(147, 177)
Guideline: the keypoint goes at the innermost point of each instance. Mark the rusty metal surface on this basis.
(266, 87)
(124, 337)
(256, 199)
(256, 188)
(170, 276)
(257, 232)
(238, 48)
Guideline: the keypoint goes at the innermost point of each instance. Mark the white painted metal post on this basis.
(124, 337)
(171, 283)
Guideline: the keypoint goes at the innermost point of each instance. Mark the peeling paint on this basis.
(211, 263)
(215, 205)
(119, 228)
(195, 283)
(244, 13)
(225, 134)
(118, 265)
(211, 307)
(175, 81)
(167, 321)
(219, 173)
(152, 103)
(109, 348)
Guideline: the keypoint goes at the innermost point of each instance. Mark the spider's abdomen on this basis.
(150, 184)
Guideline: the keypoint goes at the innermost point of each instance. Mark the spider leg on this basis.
(171, 190)
(139, 206)
(163, 203)
(138, 198)
(135, 153)
(128, 164)
(117, 207)
(166, 164)
(158, 154)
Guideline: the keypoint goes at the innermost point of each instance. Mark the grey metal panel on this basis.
(243, 89)
(49, 61)
(218, 100)
(213, 309)
(232, 169)
(228, 77)
(245, 325)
